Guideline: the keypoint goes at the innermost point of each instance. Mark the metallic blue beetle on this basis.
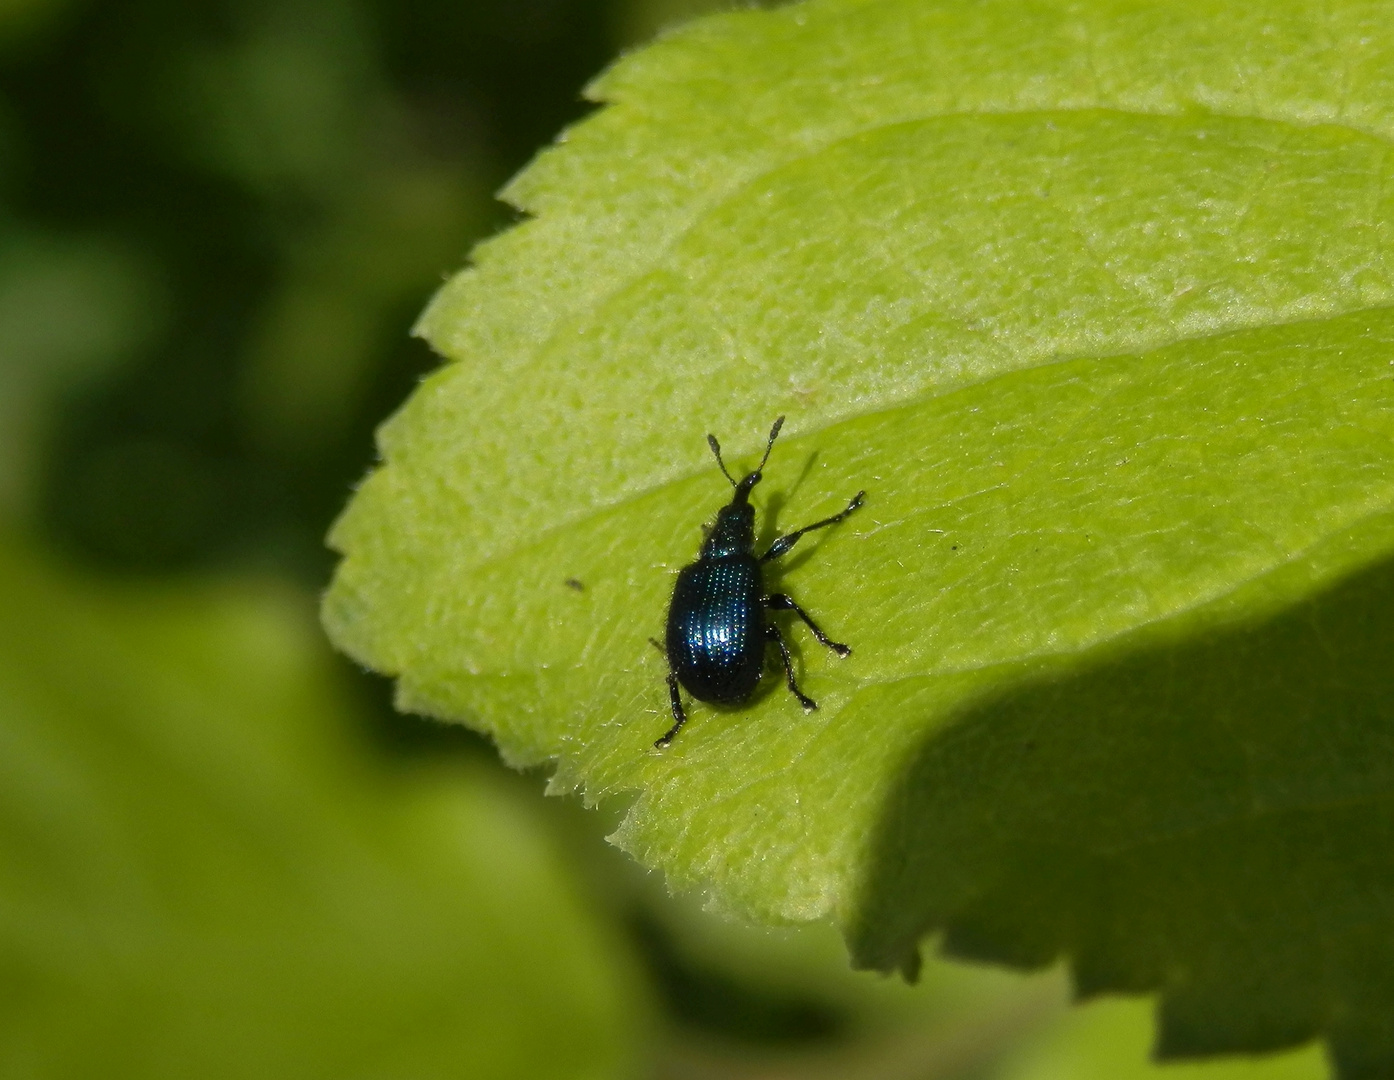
(716, 622)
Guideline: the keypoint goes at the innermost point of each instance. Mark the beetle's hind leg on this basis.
(674, 698)
(679, 716)
(781, 602)
(772, 632)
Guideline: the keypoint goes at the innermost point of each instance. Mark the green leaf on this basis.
(1108, 1040)
(70, 311)
(207, 872)
(1094, 300)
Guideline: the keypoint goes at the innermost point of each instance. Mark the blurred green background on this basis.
(222, 853)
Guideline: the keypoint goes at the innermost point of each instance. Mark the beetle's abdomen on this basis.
(716, 629)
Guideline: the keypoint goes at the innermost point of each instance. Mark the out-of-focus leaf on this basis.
(957, 1021)
(279, 100)
(24, 21)
(639, 20)
(1108, 1040)
(1094, 299)
(206, 874)
(69, 311)
(313, 356)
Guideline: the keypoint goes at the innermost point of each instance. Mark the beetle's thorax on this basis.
(734, 531)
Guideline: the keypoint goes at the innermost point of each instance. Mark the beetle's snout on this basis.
(743, 488)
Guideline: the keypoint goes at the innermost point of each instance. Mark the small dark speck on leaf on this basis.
(572, 583)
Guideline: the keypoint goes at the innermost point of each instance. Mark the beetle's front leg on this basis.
(780, 602)
(782, 545)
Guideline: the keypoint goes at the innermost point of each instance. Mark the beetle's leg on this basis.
(784, 543)
(679, 717)
(772, 632)
(780, 602)
(674, 698)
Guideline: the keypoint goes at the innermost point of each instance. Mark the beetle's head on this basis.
(734, 531)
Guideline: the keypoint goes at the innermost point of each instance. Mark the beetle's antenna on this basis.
(770, 445)
(716, 449)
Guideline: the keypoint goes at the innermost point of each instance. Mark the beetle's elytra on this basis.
(717, 633)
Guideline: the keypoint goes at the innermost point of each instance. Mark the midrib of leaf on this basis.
(512, 562)
(645, 476)
(1238, 591)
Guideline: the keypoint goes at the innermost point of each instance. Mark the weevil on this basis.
(717, 633)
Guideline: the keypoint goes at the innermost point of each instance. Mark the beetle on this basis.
(717, 633)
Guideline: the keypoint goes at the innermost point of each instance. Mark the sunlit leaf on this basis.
(1093, 299)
